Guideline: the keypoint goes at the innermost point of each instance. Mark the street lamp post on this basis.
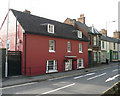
(108, 22)
(6, 63)
(106, 41)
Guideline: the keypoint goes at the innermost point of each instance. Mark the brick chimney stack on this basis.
(82, 18)
(116, 34)
(103, 32)
(27, 11)
(70, 21)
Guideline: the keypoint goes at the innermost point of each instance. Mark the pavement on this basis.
(22, 79)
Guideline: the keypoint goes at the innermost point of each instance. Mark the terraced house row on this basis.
(49, 46)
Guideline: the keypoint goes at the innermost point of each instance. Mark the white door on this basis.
(68, 65)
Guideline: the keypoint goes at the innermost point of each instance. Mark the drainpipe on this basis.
(16, 36)
(25, 51)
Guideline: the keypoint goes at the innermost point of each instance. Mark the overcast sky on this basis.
(97, 12)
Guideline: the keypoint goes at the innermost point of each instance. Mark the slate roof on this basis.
(84, 26)
(94, 31)
(36, 25)
(90, 30)
(110, 39)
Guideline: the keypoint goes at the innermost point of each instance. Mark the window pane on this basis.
(69, 46)
(79, 34)
(89, 40)
(50, 65)
(51, 45)
(80, 63)
(51, 28)
(95, 40)
(80, 47)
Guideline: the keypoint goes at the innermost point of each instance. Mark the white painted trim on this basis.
(52, 51)
(89, 49)
(54, 67)
(80, 52)
(69, 46)
(70, 56)
(80, 46)
(48, 28)
(51, 71)
(53, 46)
(94, 51)
(82, 65)
(79, 33)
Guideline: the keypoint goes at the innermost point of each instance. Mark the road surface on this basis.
(95, 82)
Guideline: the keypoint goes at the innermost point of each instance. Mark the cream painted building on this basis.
(109, 49)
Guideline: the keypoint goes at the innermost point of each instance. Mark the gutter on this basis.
(54, 36)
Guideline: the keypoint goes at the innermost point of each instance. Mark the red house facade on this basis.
(46, 45)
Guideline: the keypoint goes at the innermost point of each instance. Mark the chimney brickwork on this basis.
(82, 19)
(27, 11)
(103, 32)
(116, 34)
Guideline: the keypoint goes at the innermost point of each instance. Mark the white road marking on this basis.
(84, 75)
(96, 76)
(59, 88)
(112, 78)
(115, 70)
(18, 85)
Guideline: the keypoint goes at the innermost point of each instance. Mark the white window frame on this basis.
(49, 26)
(79, 34)
(8, 42)
(80, 48)
(54, 67)
(95, 40)
(0, 44)
(78, 61)
(53, 45)
(68, 46)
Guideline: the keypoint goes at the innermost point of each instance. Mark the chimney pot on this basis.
(27, 11)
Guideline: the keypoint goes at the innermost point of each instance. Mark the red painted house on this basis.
(46, 45)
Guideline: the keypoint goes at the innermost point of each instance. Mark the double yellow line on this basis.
(110, 88)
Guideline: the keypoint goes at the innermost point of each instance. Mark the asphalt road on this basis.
(95, 82)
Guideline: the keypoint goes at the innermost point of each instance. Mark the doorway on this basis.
(68, 65)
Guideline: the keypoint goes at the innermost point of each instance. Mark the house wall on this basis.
(108, 50)
(94, 49)
(12, 34)
(103, 51)
(105, 45)
(112, 46)
(37, 53)
(113, 52)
